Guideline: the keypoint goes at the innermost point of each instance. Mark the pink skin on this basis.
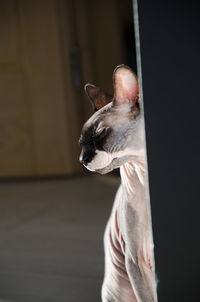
(129, 263)
(128, 243)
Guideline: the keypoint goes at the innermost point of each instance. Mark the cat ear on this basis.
(126, 88)
(97, 96)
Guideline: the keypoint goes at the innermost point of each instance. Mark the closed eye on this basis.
(100, 131)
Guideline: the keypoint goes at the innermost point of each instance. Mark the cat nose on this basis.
(82, 158)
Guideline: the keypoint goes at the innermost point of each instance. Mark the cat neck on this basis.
(135, 187)
(133, 174)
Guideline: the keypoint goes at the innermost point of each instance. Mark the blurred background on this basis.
(49, 50)
(52, 212)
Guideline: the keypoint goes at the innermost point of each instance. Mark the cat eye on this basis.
(100, 131)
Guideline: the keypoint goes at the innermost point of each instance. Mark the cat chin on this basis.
(88, 168)
(108, 168)
(115, 164)
(104, 170)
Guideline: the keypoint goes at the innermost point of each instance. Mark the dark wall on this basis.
(170, 49)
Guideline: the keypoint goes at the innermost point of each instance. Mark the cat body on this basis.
(114, 138)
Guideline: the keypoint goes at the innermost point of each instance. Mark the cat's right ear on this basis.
(97, 96)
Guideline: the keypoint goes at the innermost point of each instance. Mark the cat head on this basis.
(113, 134)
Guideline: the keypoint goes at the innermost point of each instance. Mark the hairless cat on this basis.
(114, 137)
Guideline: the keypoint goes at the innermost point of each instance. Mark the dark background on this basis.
(170, 52)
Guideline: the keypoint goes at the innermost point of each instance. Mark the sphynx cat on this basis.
(114, 137)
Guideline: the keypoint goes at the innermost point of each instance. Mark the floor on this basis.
(51, 239)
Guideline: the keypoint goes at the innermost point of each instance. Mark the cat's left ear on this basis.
(126, 90)
(97, 96)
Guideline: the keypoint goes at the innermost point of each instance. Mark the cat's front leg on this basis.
(141, 279)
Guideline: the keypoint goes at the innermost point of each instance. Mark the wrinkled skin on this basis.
(114, 137)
